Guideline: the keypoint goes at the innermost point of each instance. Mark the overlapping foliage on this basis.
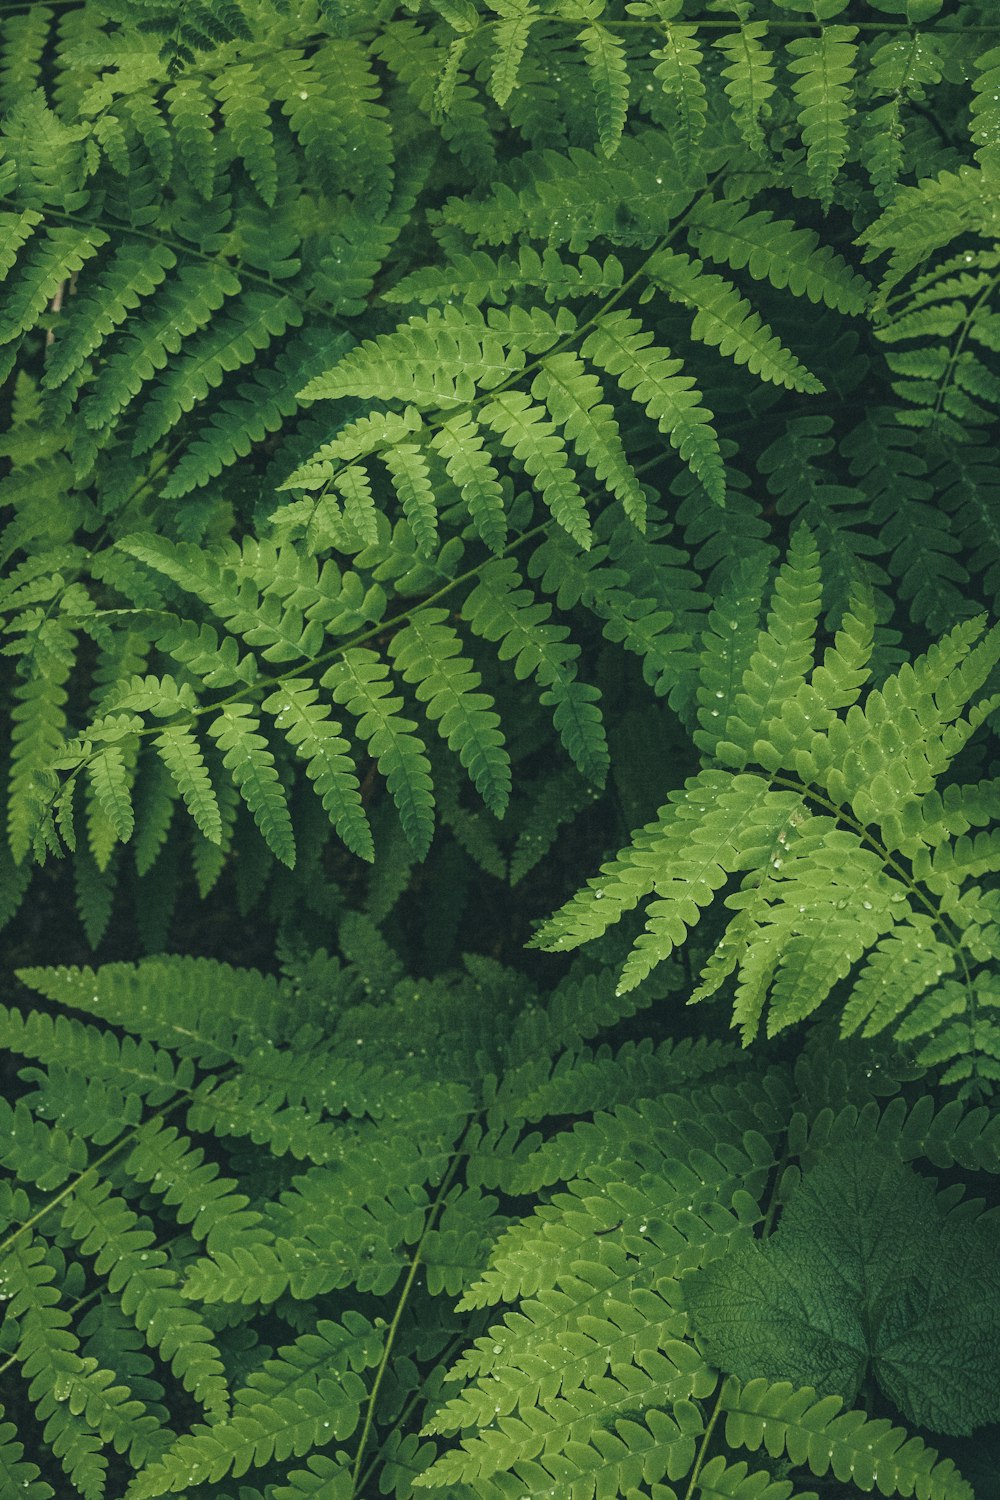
(240, 1211)
(444, 437)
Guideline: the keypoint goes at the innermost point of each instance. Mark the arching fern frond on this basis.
(808, 784)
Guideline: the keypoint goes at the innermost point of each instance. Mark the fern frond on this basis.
(306, 1397)
(251, 764)
(985, 115)
(608, 69)
(499, 609)
(620, 345)
(478, 277)
(573, 397)
(823, 68)
(109, 1230)
(678, 70)
(783, 655)
(360, 681)
(50, 260)
(777, 251)
(316, 738)
(523, 428)
(725, 321)
(749, 80)
(181, 754)
(850, 1445)
(427, 653)
(468, 465)
(244, 110)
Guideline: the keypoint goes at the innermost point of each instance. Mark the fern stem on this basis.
(960, 342)
(411, 1277)
(702, 1453)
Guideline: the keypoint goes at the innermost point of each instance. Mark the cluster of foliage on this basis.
(447, 443)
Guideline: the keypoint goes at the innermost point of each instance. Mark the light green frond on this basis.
(181, 754)
(985, 114)
(436, 361)
(824, 71)
(244, 107)
(726, 648)
(111, 779)
(510, 37)
(427, 652)
(817, 1433)
(360, 681)
(499, 609)
(316, 739)
(309, 1395)
(461, 445)
(777, 251)
(749, 79)
(122, 1246)
(523, 428)
(478, 277)
(620, 345)
(249, 761)
(608, 69)
(574, 398)
(783, 654)
(725, 320)
(678, 71)
(49, 260)
(411, 480)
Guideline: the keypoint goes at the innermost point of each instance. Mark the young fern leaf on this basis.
(251, 765)
(108, 1229)
(985, 113)
(783, 655)
(181, 754)
(606, 64)
(499, 609)
(510, 38)
(309, 1394)
(621, 346)
(777, 251)
(573, 397)
(468, 466)
(678, 71)
(354, 488)
(816, 1433)
(523, 428)
(317, 740)
(749, 80)
(244, 105)
(49, 261)
(111, 779)
(820, 891)
(824, 70)
(427, 652)
(360, 681)
(725, 320)
(726, 648)
(410, 477)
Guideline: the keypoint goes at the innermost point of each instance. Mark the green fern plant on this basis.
(240, 1211)
(408, 412)
(324, 324)
(850, 839)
